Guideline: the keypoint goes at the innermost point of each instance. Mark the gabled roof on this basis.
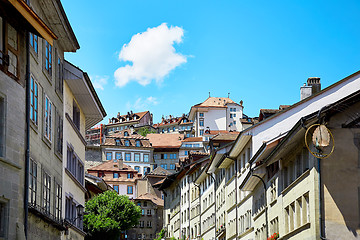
(159, 171)
(148, 196)
(215, 102)
(165, 140)
(110, 166)
(193, 139)
(225, 136)
(130, 115)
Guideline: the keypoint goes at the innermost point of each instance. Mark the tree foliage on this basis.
(108, 214)
(145, 131)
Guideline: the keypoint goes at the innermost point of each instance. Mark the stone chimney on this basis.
(313, 86)
(121, 164)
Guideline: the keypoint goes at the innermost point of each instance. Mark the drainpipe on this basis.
(27, 137)
(320, 200)
(266, 213)
(236, 196)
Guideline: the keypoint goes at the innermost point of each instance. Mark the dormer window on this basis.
(138, 143)
(126, 134)
(117, 142)
(185, 120)
(127, 143)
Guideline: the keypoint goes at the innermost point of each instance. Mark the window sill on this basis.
(46, 141)
(58, 155)
(257, 215)
(4, 160)
(295, 231)
(59, 94)
(246, 232)
(75, 128)
(78, 230)
(34, 126)
(299, 179)
(75, 180)
(47, 75)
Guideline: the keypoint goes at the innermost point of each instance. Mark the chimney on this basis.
(314, 82)
(121, 164)
(313, 86)
(109, 120)
(118, 115)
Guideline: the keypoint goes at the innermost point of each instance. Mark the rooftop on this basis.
(165, 140)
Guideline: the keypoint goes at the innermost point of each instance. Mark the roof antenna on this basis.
(228, 95)
(209, 94)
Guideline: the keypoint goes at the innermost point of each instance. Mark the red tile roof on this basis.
(215, 102)
(193, 139)
(165, 140)
(148, 196)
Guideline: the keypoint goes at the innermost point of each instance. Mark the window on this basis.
(59, 75)
(75, 165)
(201, 132)
(141, 224)
(129, 175)
(48, 118)
(117, 142)
(34, 42)
(48, 57)
(137, 157)
(201, 114)
(234, 115)
(34, 97)
(138, 143)
(71, 213)
(186, 152)
(118, 156)
(142, 211)
(146, 158)
(115, 175)
(129, 189)
(172, 166)
(13, 50)
(164, 166)
(201, 122)
(108, 156)
(116, 188)
(234, 123)
(148, 212)
(46, 192)
(137, 168)
(3, 220)
(2, 126)
(145, 204)
(164, 156)
(231, 115)
(58, 201)
(127, 143)
(127, 157)
(148, 224)
(146, 170)
(173, 129)
(126, 134)
(59, 133)
(76, 115)
(32, 181)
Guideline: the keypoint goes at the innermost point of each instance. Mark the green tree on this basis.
(160, 235)
(108, 214)
(145, 131)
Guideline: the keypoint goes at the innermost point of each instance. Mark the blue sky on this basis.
(259, 51)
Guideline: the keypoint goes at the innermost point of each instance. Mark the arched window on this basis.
(138, 143)
(126, 134)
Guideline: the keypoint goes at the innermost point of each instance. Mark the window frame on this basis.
(130, 187)
(48, 58)
(48, 105)
(34, 100)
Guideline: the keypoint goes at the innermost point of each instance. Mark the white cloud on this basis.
(141, 104)
(152, 54)
(99, 81)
